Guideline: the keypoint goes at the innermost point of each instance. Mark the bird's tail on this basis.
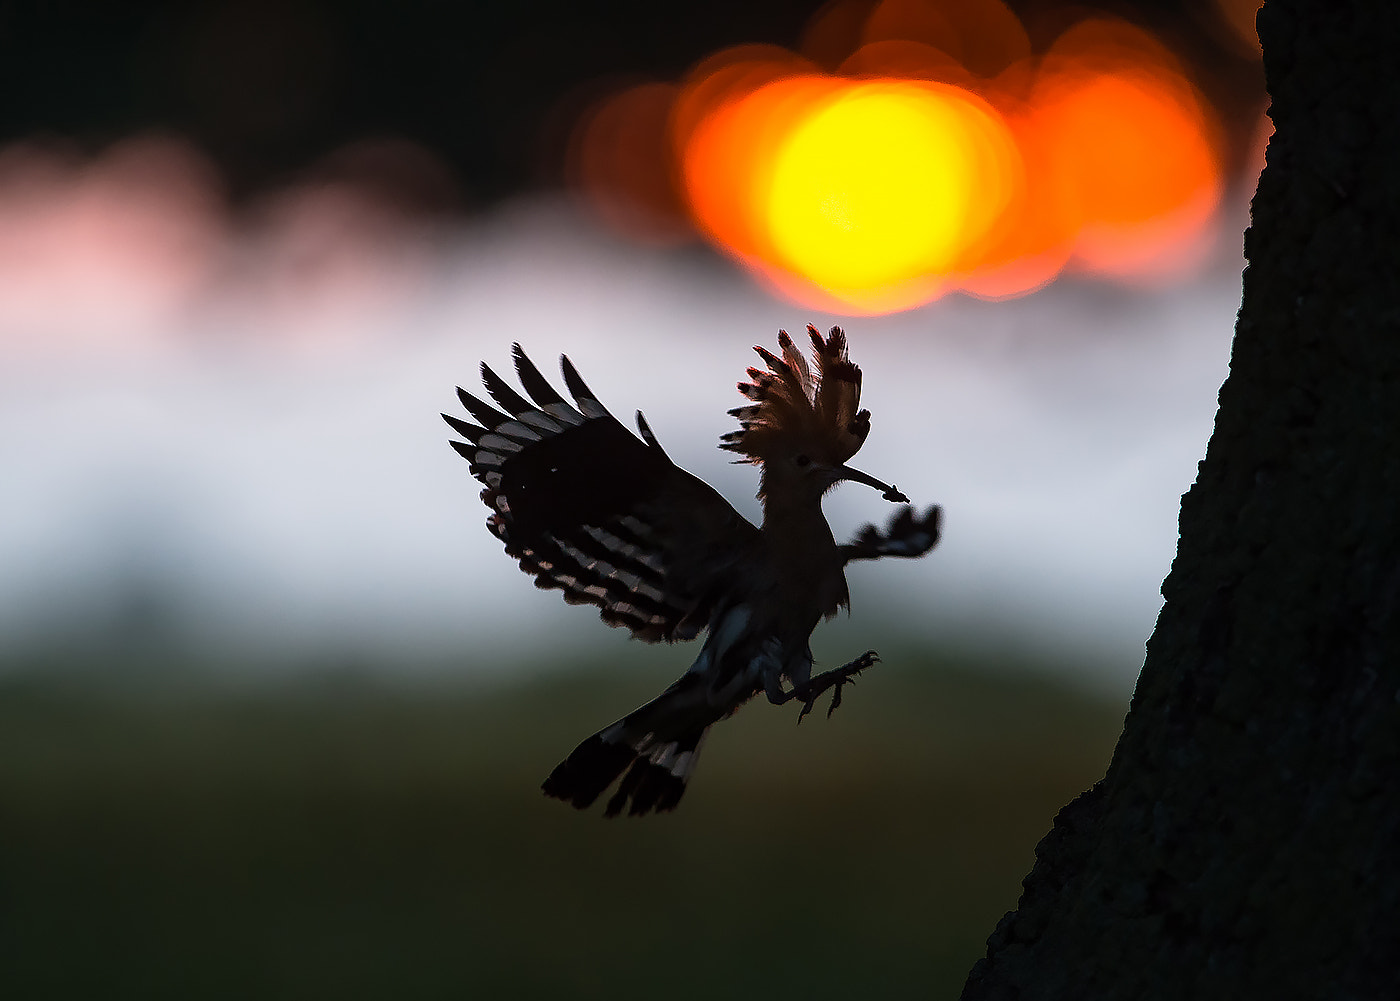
(655, 746)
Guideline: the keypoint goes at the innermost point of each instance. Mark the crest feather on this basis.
(813, 409)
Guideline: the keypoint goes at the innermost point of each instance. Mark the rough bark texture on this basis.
(1245, 842)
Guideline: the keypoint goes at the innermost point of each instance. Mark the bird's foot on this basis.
(837, 678)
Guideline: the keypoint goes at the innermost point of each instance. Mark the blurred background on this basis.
(273, 705)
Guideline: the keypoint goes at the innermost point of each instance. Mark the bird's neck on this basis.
(807, 564)
(796, 521)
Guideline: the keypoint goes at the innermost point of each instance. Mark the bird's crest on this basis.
(799, 407)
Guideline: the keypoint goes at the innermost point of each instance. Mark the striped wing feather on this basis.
(589, 508)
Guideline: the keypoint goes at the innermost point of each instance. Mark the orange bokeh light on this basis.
(1131, 153)
(937, 158)
(622, 160)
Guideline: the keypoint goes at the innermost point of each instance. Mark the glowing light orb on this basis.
(863, 194)
(881, 184)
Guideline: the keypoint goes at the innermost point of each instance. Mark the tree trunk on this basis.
(1245, 842)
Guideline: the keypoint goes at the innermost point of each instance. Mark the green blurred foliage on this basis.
(357, 840)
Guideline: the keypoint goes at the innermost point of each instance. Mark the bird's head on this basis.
(804, 422)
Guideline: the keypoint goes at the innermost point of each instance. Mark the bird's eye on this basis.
(803, 461)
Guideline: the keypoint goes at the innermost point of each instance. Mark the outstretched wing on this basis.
(907, 534)
(589, 508)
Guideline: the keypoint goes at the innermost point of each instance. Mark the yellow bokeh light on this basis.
(884, 184)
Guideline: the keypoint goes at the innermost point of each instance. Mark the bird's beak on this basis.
(890, 493)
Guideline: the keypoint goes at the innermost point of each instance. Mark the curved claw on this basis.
(836, 698)
(836, 680)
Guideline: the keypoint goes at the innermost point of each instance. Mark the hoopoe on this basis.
(609, 519)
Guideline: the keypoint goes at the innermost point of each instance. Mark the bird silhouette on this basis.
(589, 508)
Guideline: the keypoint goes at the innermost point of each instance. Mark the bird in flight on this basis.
(589, 508)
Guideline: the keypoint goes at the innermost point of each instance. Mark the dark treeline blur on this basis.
(355, 841)
(270, 87)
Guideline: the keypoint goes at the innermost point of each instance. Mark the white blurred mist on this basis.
(222, 435)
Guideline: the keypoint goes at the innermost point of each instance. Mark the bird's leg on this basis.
(837, 678)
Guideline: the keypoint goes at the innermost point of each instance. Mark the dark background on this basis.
(269, 87)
